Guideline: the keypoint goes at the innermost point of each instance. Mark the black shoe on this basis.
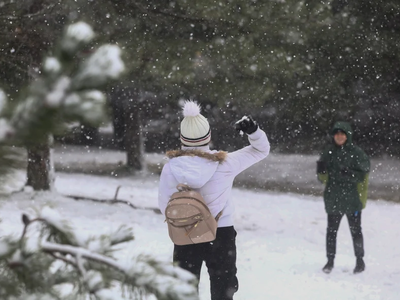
(360, 266)
(328, 267)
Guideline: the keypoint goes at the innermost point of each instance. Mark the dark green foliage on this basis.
(298, 66)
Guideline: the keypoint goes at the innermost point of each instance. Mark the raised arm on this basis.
(259, 146)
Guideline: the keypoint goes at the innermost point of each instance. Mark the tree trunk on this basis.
(39, 167)
(133, 140)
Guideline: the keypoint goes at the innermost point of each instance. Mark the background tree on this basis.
(296, 66)
(355, 52)
(29, 28)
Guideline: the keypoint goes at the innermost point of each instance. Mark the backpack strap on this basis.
(218, 216)
(184, 187)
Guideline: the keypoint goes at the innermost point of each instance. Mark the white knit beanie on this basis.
(195, 130)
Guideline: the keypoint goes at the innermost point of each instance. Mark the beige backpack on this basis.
(189, 219)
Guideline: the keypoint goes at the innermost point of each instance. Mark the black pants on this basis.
(355, 229)
(220, 258)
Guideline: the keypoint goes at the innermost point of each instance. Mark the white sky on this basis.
(281, 237)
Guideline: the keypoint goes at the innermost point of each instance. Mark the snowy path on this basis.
(280, 238)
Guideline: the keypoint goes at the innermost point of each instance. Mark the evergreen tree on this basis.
(51, 254)
(298, 65)
(66, 91)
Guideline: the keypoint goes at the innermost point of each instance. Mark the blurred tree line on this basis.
(295, 66)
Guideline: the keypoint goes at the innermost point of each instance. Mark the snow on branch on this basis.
(68, 89)
(85, 263)
(144, 272)
(102, 66)
(76, 37)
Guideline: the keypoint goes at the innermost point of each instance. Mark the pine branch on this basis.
(150, 283)
(89, 267)
(65, 91)
(49, 251)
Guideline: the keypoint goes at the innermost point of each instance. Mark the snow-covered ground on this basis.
(281, 236)
(278, 172)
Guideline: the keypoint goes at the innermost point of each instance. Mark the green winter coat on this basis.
(346, 177)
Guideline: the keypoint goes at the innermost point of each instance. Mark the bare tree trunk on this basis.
(39, 167)
(133, 140)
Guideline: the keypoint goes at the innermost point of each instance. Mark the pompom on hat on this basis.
(195, 129)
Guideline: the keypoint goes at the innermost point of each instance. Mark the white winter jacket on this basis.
(212, 179)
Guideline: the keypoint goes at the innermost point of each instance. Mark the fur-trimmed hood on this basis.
(194, 167)
(216, 156)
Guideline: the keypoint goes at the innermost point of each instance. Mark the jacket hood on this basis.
(346, 127)
(193, 167)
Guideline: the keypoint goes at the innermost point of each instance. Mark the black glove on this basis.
(246, 124)
(321, 167)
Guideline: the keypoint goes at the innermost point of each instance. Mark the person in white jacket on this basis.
(211, 173)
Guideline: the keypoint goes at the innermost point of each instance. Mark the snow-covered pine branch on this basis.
(68, 89)
(51, 254)
(103, 65)
(76, 37)
(52, 259)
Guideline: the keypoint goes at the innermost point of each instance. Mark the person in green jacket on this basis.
(344, 168)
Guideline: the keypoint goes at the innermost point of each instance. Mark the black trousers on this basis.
(354, 220)
(220, 258)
